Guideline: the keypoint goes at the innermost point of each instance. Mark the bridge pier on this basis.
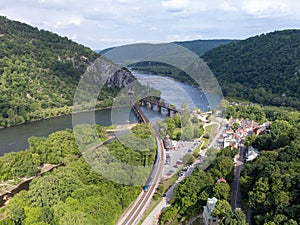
(159, 108)
(142, 102)
(168, 112)
(160, 105)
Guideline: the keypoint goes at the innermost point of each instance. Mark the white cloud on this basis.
(266, 8)
(104, 23)
(227, 6)
(62, 24)
(175, 5)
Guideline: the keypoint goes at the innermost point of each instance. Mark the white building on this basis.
(208, 209)
(251, 153)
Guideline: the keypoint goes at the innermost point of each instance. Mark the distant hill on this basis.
(197, 46)
(39, 72)
(263, 69)
(201, 46)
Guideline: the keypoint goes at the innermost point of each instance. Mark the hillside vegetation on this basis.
(263, 69)
(270, 183)
(39, 70)
(74, 193)
(39, 73)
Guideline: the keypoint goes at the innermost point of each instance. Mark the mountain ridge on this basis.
(39, 73)
(264, 69)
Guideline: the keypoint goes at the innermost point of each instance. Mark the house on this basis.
(230, 141)
(251, 153)
(208, 209)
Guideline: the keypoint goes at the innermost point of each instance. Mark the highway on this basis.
(133, 215)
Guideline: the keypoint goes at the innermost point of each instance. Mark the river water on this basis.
(15, 138)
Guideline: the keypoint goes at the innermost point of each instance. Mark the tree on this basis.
(44, 191)
(15, 208)
(235, 217)
(221, 191)
(221, 209)
(250, 139)
(74, 217)
(169, 213)
(38, 214)
(259, 193)
(235, 126)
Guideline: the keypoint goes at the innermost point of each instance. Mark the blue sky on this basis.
(100, 24)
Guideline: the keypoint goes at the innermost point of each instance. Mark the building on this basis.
(251, 153)
(221, 180)
(168, 144)
(208, 209)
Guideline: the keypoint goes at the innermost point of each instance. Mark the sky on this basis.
(99, 24)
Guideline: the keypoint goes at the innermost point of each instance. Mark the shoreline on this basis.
(62, 115)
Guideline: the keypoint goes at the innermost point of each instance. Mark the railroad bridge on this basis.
(160, 105)
(137, 110)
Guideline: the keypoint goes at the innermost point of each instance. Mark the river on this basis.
(15, 138)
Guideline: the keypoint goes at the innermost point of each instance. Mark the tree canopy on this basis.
(262, 69)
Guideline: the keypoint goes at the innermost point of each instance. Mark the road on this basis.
(152, 218)
(235, 195)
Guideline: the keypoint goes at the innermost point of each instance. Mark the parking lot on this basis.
(174, 158)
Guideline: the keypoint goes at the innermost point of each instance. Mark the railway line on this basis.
(134, 214)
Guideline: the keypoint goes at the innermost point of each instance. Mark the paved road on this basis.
(153, 216)
(235, 195)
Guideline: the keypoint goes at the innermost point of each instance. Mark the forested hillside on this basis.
(38, 70)
(270, 183)
(201, 46)
(75, 193)
(39, 73)
(263, 69)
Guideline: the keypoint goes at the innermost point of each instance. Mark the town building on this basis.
(168, 144)
(251, 153)
(208, 219)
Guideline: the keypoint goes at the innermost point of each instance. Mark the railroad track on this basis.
(134, 214)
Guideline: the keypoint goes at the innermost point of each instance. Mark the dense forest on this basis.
(40, 71)
(74, 193)
(262, 69)
(270, 184)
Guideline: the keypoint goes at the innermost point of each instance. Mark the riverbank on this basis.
(68, 110)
